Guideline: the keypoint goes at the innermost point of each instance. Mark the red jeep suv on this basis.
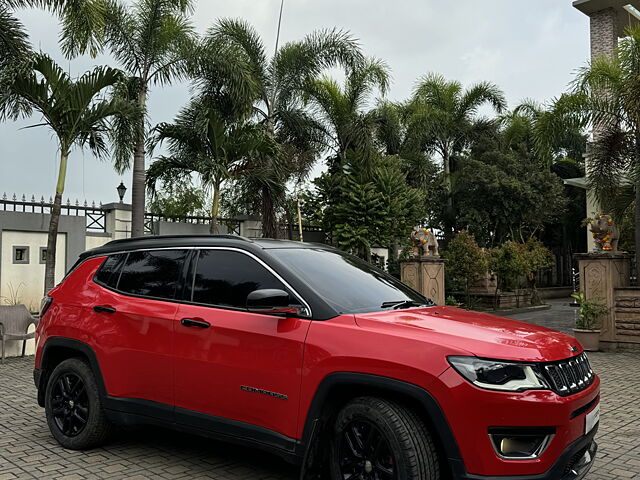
(313, 354)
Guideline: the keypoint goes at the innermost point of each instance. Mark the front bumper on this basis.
(471, 412)
(574, 463)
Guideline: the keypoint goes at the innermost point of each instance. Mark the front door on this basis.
(231, 363)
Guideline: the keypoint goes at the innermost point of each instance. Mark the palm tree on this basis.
(447, 114)
(612, 91)
(278, 84)
(82, 25)
(72, 109)
(343, 110)
(212, 143)
(153, 41)
(397, 136)
(555, 133)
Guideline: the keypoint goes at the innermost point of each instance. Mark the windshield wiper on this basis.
(397, 304)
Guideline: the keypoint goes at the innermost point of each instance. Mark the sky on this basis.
(530, 49)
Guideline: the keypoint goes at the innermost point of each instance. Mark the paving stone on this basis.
(28, 451)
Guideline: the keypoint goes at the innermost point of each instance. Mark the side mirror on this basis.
(270, 301)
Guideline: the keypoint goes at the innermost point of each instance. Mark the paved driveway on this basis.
(28, 451)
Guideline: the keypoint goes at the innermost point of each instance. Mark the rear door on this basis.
(237, 365)
(135, 312)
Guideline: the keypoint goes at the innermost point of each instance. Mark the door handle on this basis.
(104, 309)
(192, 322)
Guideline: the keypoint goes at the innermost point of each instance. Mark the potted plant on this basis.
(587, 329)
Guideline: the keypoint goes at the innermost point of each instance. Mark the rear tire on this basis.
(73, 406)
(374, 438)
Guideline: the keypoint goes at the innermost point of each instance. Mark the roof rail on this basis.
(171, 237)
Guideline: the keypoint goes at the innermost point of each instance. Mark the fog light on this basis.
(520, 444)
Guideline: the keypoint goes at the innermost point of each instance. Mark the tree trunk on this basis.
(138, 181)
(535, 295)
(467, 293)
(269, 222)
(52, 237)
(214, 228)
(448, 185)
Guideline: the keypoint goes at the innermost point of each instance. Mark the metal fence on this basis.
(96, 217)
(94, 214)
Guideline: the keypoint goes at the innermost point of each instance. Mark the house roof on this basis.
(625, 18)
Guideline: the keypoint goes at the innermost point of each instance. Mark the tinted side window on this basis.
(154, 273)
(109, 272)
(226, 278)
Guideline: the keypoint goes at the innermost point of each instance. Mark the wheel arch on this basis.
(339, 388)
(58, 349)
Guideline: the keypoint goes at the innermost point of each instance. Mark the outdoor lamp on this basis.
(121, 191)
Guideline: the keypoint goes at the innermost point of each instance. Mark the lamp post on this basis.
(121, 191)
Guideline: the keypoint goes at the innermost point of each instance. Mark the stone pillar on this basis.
(604, 28)
(425, 275)
(118, 220)
(604, 32)
(600, 274)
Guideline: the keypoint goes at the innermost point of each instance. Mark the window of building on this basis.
(43, 254)
(154, 273)
(20, 255)
(226, 278)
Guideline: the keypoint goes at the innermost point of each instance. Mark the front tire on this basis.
(73, 406)
(377, 439)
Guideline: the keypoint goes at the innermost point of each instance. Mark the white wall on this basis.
(24, 283)
(95, 241)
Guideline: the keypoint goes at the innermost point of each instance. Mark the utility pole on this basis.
(279, 25)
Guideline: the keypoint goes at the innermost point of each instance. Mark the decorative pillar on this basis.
(600, 275)
(425, 275)
(118, 220)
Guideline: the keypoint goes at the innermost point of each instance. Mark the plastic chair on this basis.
(14, 325)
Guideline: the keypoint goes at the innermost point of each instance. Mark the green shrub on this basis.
(466, 261)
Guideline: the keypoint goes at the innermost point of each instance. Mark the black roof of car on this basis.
(166, 241)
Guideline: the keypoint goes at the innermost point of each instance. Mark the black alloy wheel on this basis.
(70, 404)
(365, 453)
(73, 406)
(378, 439)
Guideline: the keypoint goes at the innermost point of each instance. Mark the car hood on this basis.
(481, 334)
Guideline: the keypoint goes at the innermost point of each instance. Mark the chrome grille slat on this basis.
(569, 376)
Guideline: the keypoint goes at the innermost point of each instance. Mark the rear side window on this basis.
(154, 273)
(109, 272)
(226, 278)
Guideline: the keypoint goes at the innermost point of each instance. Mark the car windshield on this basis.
(347, 283)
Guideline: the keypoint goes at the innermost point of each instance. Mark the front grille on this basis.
(570, 376)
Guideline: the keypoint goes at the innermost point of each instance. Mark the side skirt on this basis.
(132, 411)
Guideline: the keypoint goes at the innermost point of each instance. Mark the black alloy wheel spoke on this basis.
(384, 471)
(77, 390)
(62, 388)
(354, 443)
(373, 432)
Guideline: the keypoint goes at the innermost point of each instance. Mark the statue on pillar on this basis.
(605, 233)
(424, 243)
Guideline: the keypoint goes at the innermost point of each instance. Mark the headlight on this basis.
(499, 375)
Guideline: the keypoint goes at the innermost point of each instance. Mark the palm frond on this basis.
(14, 41)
